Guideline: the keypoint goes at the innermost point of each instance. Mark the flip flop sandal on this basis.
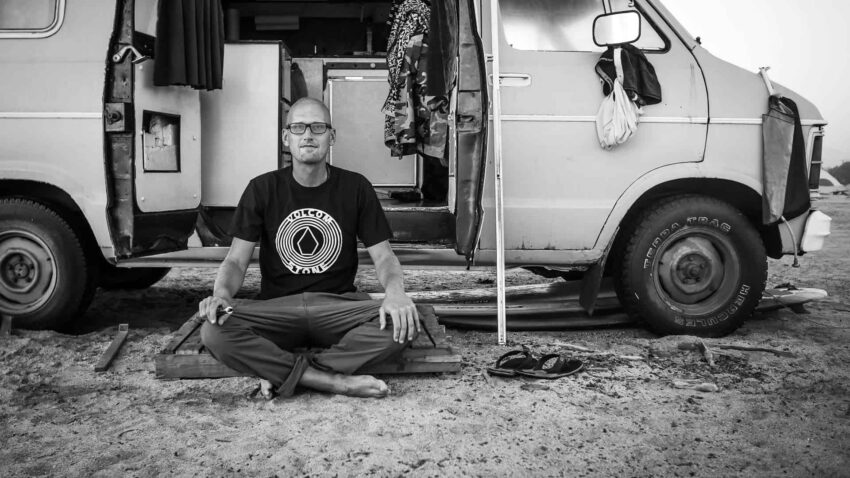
(509, 364)
(561, 368)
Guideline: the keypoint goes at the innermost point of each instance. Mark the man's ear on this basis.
(333, 136)
(286, 138)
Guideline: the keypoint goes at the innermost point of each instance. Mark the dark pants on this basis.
(260, 337)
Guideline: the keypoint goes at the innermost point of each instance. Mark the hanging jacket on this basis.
(416, 121)
(639, 78)
(408, 18)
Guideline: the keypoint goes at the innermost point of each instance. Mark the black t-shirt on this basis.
(308, 235)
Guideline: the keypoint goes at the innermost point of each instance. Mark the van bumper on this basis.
(807, 232)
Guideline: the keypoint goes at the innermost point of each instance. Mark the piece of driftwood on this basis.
(781, 353)
(186, 357)
(706, 352)
(111, 351)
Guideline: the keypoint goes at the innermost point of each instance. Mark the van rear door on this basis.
(153, 143)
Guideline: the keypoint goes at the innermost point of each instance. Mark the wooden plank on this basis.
(443, 364)
(186, 330)
(192, 366)
(185, 356)
(192, 345)
(112, 350)
(205, 366)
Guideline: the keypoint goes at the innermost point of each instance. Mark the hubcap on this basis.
(27, 276)
(691, 270)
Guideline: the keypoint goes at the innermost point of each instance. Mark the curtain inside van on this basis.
(189, 44)
(443, 42)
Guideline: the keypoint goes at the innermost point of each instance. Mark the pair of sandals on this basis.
(523, 363)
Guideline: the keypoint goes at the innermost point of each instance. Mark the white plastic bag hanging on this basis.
(618, 115)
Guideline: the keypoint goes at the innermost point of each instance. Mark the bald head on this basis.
(311, 105)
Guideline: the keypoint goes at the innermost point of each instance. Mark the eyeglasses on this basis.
(315, 128)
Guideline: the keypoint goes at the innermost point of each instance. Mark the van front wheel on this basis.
(692, 265)
(45, 280)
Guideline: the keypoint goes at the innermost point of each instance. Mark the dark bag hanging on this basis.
(189, 44)
(786, 189)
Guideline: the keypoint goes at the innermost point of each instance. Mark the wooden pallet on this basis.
(186, 357)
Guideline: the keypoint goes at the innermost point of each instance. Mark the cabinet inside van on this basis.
(279, 52)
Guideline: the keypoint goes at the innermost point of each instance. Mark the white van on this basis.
(106, 179)
(829, 185)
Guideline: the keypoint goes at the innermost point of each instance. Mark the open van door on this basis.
(153, 143)
(471, 131)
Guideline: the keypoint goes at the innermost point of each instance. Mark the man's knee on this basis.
(391, 344)
(214, 338)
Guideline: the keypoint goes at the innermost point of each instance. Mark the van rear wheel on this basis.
(45, 280)
(692, 265)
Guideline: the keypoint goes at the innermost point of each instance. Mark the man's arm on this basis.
(402, 310)
(230, 276)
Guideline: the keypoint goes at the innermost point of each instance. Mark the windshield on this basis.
(675, 6)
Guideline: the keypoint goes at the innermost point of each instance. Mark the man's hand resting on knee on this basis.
(208, 309)
(404, 315)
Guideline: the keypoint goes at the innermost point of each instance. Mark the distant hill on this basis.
(833, 156)
(841, 172)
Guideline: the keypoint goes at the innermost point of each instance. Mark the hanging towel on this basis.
(189, 46)
(617, 118)
(638, 75)
(786, 189)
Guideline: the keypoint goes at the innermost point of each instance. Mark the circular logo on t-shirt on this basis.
(308, 241)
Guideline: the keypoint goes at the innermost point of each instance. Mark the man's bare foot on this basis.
(351, 385)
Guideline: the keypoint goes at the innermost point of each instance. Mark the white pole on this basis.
(497, 160)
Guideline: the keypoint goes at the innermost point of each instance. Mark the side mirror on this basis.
(616, 28)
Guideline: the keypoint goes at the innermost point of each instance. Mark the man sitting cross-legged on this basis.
(307, 219)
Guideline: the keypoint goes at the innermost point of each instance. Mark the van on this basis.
(829, 185)
(107, 179)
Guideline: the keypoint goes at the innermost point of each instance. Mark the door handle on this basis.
(512, 79)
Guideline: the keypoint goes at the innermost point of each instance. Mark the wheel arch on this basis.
(743, 193)
(59, 201)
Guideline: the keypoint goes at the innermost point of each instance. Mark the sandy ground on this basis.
(774, 415)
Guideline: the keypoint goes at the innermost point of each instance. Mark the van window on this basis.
(26, 17)
(826, 182)
(558, 25)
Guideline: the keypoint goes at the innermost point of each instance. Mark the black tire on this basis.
(45, 279)
(112, 278)
(692, 265)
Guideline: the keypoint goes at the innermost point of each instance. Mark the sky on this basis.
(804, 42)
